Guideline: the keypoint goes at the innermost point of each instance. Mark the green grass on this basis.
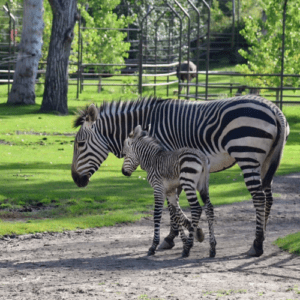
(290, 243)
(36, 156)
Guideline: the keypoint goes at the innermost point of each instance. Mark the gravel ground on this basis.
(111, 262)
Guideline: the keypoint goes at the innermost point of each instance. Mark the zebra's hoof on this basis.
(151, 252)
(166, 245)
(212, 252)
(185, 253)
(199, 235)
(254, 251)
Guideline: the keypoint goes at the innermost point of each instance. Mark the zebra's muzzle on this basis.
(126, 173)
(81, 181)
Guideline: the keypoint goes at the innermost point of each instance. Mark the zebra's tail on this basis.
(272, 161)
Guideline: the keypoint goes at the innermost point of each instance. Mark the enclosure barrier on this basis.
(158, 57)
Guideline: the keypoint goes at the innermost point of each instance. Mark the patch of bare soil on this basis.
(111, 263)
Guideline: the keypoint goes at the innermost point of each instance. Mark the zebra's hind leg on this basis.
(179, 216)
(252, 177)
(269, 202)
(168, 242)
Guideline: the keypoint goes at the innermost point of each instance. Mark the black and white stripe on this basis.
(246, 130)
(166, 171)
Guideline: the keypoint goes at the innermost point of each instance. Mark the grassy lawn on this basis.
(37, 192)
(291, 243)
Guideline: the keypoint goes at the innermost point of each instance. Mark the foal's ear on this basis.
(92, 113)
(137, 131)
(130, 135)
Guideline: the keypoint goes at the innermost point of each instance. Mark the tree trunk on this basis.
(22, 91)
(56, 83)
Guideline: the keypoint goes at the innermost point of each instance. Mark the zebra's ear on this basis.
(92, 113)
(137, 131)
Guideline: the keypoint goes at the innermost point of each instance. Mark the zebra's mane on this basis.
(117, 107)
(81, 116)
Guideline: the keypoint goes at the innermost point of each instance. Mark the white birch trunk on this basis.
(55, 96)
(23, 88)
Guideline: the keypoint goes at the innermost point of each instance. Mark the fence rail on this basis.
(153, 60)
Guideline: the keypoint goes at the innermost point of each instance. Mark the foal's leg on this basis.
(190, 190)
(159, 198)
(209, 211)
(179, 216)
(168, 242)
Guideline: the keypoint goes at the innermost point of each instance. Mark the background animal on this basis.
(185, 66)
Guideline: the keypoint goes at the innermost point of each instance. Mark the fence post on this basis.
(282, 53)
(79, 53)
(207, 50)
(99, 84)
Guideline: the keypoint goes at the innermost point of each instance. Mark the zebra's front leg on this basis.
(168, 242)
(159, 203)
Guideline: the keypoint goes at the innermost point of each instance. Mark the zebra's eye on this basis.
(80, 144)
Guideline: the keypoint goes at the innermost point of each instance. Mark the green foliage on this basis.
(265, 38)
(221, 13)
(48, 17)
(102, 46)
(99, 46)
(15, 8)
(291, 243)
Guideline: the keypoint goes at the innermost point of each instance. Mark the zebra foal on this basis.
(185, 168)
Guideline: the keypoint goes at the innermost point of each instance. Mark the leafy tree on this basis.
(102, 46)
(265, 37)
(221, 12)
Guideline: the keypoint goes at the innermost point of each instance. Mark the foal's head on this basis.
(138, 148)
(131, 159)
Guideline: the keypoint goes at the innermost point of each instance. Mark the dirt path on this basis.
(110, 263)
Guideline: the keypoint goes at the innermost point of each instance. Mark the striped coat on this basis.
(247, 130)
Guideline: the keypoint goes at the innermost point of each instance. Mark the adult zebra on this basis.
(247, 130)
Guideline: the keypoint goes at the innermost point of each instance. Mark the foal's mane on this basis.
(151, 141)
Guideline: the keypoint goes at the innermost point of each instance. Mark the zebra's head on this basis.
(90, 150)
(131, 160)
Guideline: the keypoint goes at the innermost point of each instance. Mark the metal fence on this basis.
(157, 50)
